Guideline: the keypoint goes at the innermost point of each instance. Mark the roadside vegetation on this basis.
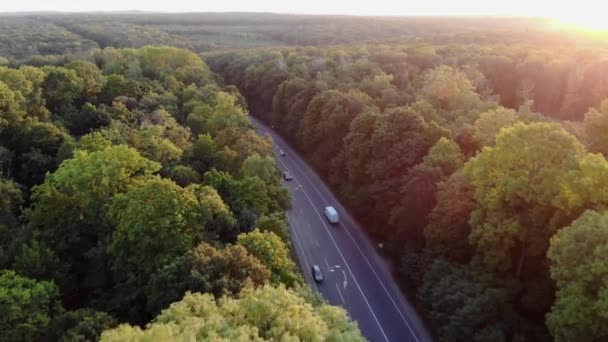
(134, 191)
(136, 198)
(480, 167)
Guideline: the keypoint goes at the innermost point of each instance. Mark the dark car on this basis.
(316, 273)
(287, 176)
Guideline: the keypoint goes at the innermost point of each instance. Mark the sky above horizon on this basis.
(554, 8)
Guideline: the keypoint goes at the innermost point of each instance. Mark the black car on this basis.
(287, 176)
(316, 273)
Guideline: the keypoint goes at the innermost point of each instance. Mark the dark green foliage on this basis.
(388, 124)
(79, 325)
(274, 223)
(206, 269)
(184, 175)
(461, 308)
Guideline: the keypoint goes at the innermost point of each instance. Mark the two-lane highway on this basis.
(355, 276)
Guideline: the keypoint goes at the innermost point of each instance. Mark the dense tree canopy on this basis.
(266, 314)
(444, 151)
(111, 208)
(27, 306)
(131, 174)
(578, 253)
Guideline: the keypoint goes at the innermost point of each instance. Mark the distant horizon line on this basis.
(135, 11)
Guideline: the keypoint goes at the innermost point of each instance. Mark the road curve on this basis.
(355, 276)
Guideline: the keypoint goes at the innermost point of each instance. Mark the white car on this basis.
(281, 152)
(331, 214)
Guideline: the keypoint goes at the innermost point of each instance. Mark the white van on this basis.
(331, 214)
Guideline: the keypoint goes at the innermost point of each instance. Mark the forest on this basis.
(481, 168)
(135, 190)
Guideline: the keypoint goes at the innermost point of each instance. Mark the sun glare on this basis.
(588, 21)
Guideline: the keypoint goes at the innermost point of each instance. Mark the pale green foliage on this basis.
(264, 314)
(90, 76)
(272, 251)
(519, 193)
(447, 96)
(446, 155)
(226, 113)
(596, 126)
(491, 122)
(264, 168)
(93, 142)
(10, 113)
(580, 270)
(84, 185)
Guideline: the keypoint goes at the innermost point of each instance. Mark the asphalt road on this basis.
(355, 276)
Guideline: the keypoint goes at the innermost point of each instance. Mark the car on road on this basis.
(331, 214)
(281, 152)
(287, 176)
(316, 273)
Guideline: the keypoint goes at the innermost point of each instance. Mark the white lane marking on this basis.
(342, 256)
(326, 263)
(317, 243)
(294, 231)
(340, 293)
(363, 254)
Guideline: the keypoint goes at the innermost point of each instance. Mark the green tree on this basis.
(35, 260)
(27, 307)
(215, 215)
(274, 223)
(197, 119)
(205, 269)
(61, 88)
(409, 216)
(184, 175)
(204, 153)
(450, 94)
(596, 124)
(265, 168)
(326, 122)
(156, 221)
(90, 76)
(79, 325)
(491, 122)
(10, 113)
(93, 142)
(447, 232)
(86, 119)
(460, 307)
(519, 194)
(70, 210)
(445, 155)
(267, 313)
(226, 113)
(273, 253)
(579, 268)
(11, 199)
